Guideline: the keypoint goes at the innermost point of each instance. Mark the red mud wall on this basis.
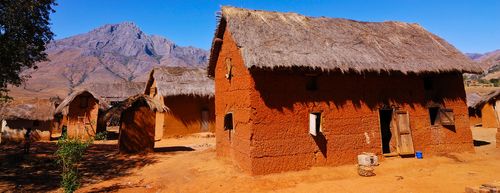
(350, 105)
(271, 115)
(76, 129)
(488, 117)
(185, 115)
(233, 96)
(137, 129)
(474, 119)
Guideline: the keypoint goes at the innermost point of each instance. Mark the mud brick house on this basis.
(294, 91)
(137, 123)
(21, 114)
(189, 95)
(484, 110)
(80, 112)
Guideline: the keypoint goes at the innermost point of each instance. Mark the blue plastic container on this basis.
(418, 155)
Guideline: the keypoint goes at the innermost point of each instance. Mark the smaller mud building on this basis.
(188, 94)
(484, 110)
(21, 114)
(294, 91)
(80, 112)
(137, 123)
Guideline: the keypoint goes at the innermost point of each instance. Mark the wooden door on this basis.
(405, 141)
(204, 120)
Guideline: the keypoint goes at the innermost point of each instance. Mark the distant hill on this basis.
(489, 62)
(492, 61)
(109, 54)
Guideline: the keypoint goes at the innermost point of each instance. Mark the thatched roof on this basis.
(281, 40)
(478, 103)
(472, 99)
(29, 109)
(172, 81)
(62, 107)
(116, 111)
(116, 91)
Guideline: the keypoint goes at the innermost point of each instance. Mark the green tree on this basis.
(24, 32)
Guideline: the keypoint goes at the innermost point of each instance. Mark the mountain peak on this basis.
(128, 27)
(110, 53)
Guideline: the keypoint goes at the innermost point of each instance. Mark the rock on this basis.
(366, 171)
(484, 188)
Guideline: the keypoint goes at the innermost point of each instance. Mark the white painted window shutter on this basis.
(312, 124)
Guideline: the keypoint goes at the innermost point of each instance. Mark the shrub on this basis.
(101, 135)
(69, 154)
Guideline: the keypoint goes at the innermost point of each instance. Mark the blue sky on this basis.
(470, 25)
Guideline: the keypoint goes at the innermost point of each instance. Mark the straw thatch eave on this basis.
(272, 39)
(175, 81)
(62, 108)
(30, 109)
(153, 104)
(478, 103)
(115, 91)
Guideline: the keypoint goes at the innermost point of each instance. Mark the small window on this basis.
(228, 121)
(314, 123)
(312, 83)
(447, 117)
(428, 84)
(84, 102)
(229, 69)
(434, 115)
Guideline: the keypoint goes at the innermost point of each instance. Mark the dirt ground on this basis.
(189, 164)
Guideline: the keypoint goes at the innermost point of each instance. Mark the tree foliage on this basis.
(24, 32)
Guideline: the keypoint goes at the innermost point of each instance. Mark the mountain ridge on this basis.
(110, 53)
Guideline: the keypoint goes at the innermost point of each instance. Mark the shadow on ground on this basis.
(38, 172)
(480, 143)
(173, 149)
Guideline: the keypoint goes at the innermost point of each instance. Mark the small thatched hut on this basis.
(81, 110)
(484, 109)
(19, 115)
(137, 123)
(189, 94)
(294, 91)
(115, 92)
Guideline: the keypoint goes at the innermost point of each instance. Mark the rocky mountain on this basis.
(490, 62)
(108, 54)
(474, 56)
(486, 60)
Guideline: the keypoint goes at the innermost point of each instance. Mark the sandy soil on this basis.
(482, 90)
(189, 164)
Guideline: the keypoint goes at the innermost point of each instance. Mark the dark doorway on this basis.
(385, 129)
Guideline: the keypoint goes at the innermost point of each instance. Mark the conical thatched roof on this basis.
(29, 109)
(272, 39)
(116, 111)
(62, 107)
(172, 81)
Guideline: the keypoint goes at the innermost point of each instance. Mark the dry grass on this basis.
(172, 81)
(62, 107)
(28, 108)
(274, 40)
